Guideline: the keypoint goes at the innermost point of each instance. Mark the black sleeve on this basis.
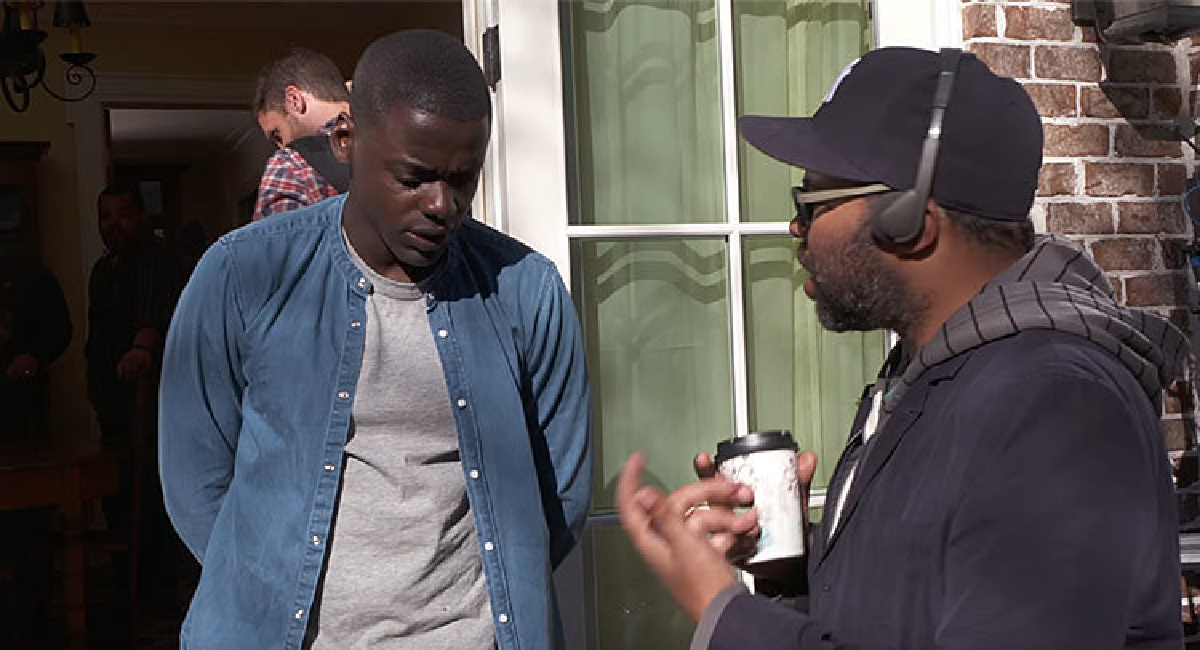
(1065, 524)
(159, 282)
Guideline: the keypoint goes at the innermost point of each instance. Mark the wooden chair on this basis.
(127, 539)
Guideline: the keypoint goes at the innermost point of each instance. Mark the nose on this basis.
(795, 228)
(438, 202)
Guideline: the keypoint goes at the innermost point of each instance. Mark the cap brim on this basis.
(794, 140)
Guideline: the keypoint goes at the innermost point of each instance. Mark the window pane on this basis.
(643, 92)
(655, 317)
(788, 52)
(632, 608)
(801, 377)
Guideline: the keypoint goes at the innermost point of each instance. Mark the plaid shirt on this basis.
(289, 182)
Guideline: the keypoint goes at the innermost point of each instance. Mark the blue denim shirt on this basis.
(259, 373)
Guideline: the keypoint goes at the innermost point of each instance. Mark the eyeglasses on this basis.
(810, 205)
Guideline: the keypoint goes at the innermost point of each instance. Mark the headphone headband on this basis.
(901, 219)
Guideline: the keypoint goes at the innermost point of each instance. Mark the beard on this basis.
(856, 291)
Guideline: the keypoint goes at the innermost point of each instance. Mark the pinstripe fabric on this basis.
(1056, 286)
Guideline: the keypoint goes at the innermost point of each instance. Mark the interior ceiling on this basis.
(183, 136)
(167, 136)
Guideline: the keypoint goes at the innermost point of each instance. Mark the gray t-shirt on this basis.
(403, 568)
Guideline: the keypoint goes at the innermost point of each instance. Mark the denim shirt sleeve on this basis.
(200, 398)
(562, 399)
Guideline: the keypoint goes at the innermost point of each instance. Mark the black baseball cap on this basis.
(873, 122)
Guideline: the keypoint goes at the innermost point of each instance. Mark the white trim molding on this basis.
(928, 24)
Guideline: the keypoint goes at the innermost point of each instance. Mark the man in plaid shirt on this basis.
(298, 95)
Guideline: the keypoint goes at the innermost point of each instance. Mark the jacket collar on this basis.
(880, 449)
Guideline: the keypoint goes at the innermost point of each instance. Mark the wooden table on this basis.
(64, 475)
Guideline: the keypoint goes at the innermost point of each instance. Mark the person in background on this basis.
(131, 296)
(35, 329)
(297, 101)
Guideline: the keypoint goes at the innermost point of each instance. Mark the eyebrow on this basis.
(420, 169)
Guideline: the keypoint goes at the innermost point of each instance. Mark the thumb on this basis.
(806, 466)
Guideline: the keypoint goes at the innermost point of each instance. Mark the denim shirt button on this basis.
(362, 283)
(344, 394)
(299, 614)
(329, 467)
(462, 403)
(473, 473)
(443, 334)
(488, 546)
(503, 618)
(355, 325)
(316, 541)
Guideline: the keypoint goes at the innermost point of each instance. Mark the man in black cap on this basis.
(1005, 483)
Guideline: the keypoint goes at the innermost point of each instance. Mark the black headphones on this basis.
(899, 217)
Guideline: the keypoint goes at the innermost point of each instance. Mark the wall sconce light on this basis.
(23, 62)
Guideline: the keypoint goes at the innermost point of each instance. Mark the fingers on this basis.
(634, 504)
(723, 523)
(703, 465)
(670, 515)
(806, 466)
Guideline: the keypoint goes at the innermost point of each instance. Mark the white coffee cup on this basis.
(766, 461)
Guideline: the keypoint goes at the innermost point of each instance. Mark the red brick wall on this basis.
(1111, 178)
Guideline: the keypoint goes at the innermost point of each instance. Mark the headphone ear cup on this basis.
(898, 217)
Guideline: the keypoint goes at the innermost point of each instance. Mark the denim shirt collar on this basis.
(357, 280)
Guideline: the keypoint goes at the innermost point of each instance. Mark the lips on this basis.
(429, 238)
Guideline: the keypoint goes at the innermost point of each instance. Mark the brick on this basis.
(1155, 217)
(1056, 179)
(1081, 140)
(1005, 60)
(1038, 24)
(1158, 289)
(1141, 67)
(978, 21)
(1118, 179)
(1067, 62)
(1174, 253)
(1172, 180)
(1175, 431)
(1125, 253)
(1147, 141)
(1167, 102)
(1115, 101)
(1079, 218)
(1053, 100)
(1034, 24)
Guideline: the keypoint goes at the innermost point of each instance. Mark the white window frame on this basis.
(525, 181)
(525, 190)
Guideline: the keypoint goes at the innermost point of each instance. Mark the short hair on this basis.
(421, 69)
(305, 69)
(123, 189)
(1007, 238)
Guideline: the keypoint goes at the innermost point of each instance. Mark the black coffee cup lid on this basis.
(755, 441)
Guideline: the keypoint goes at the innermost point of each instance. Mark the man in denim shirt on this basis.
(348, 478)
